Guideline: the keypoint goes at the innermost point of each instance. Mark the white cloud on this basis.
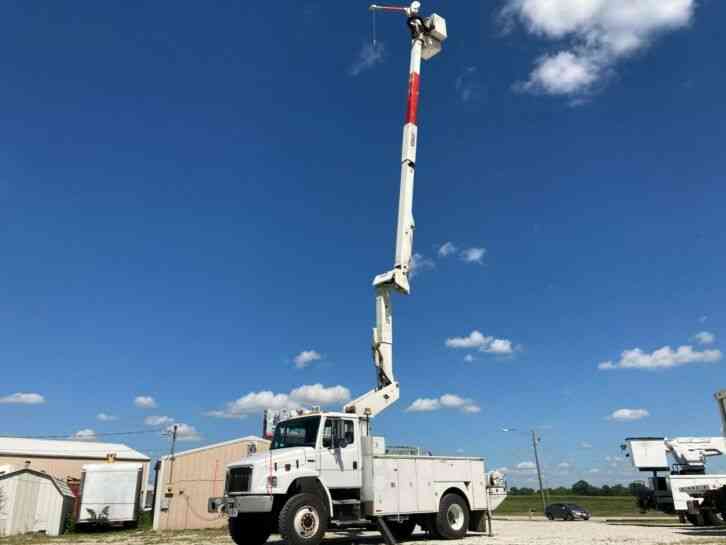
(474, 340)
(526, 466)
(705, 337)
(257, 402)
(145, 402)
(473, 255)
(446, 401)
(585, 445)
(21, 398)
(368, 57)
(419, 264)
(562, 73)
(483, 343)
(317, 394)
(447, 249)
(306, 357)
(625, 415)
(185, 432)
(103, 417)
(84, 435)
(468, 85)
(424, 404)
(600, 33)
(594, 470)
(663, 358)
(468, 358)
(157, 420)
(500, 346)
(563, 465)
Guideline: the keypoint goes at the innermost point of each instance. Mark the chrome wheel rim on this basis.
(307, 522)
(455, 516)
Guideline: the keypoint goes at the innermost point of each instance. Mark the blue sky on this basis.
(194, 197)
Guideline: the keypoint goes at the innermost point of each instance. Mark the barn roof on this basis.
(248, 439)
(61, 486)
(87, 450)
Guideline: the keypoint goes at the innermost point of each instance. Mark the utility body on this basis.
(326, 469)
(679, 488)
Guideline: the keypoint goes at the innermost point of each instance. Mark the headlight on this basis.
(272, 482)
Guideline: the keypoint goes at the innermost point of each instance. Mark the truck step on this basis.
(346, 502)
(347, 523)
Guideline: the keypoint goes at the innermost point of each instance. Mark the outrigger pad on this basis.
(385, 531)
(478, 521)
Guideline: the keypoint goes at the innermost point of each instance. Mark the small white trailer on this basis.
(110, 493)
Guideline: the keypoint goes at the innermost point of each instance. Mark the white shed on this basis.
(33, 502)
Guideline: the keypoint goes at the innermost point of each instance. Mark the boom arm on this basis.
(691, 452)
(427, 36)
(688, 453)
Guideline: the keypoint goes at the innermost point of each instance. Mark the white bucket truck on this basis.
(327, 470)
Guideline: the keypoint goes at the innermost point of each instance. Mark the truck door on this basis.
(340, 465)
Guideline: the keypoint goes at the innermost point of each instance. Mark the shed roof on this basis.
(61, 486)
(14, 446)
(248, 439)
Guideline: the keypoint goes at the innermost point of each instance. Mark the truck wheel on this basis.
(250, 529)
(452, 520)
(303, 520)
(401, 530)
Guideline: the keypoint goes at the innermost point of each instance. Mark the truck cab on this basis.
(325, 471)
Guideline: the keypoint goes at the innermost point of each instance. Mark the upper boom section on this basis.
(427, 36)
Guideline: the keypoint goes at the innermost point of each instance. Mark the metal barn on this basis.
(65, 459)
(186, 482)
(32, 501)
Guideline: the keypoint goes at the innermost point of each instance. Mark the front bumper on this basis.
(234, 505)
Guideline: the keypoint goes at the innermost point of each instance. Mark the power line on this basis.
(72, 436)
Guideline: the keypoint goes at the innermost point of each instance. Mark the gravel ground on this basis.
(507, 532)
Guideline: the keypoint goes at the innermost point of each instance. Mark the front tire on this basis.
(250, 529)
(452, 520)
(303, 520)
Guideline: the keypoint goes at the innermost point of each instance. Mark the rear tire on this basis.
(401, 530)
(550, 516)
(452, 520)
(303, 520)
(250, 529)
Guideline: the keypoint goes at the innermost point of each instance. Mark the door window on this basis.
(348, 431)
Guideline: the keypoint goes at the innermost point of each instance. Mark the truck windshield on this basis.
(301, 432)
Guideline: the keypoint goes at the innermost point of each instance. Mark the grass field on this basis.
(599, 506)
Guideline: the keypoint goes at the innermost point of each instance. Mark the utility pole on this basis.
(535, 440)
(172, 452)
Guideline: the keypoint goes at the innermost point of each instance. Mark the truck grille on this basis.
(238, 480)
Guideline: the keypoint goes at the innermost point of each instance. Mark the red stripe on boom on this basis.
(414, 86)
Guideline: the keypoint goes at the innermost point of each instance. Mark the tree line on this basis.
(583, 488)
